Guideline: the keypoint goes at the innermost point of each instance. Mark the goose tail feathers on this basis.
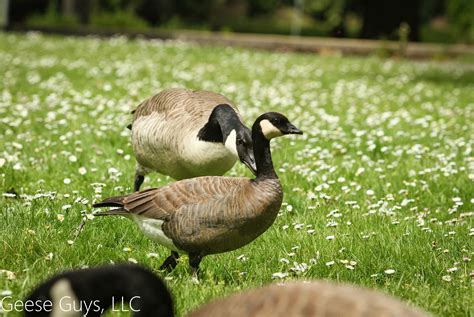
(116, 201)
(112, 212)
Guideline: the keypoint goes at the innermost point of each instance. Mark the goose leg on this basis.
(194, 261)
(138, 181)
(170, 263)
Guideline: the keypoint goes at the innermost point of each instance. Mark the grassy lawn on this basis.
(378, 191)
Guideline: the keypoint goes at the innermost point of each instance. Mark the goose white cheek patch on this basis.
(65, 302)
(230, 142)
(269, 130)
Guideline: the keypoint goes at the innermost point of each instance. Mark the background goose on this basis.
(308, 299)
(185, 134)
(208, 215)
(92, 291)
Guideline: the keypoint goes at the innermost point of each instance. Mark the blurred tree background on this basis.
(446, 21)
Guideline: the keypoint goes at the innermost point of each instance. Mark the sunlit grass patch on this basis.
(378, 191)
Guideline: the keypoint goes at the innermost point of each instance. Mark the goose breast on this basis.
(229, 222)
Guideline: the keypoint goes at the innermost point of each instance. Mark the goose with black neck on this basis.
(184, 134)
(213, 214)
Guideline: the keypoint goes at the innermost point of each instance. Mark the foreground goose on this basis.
(91, 292)
(214, 214)
(185, 134)
(147, 296)
(308, 299)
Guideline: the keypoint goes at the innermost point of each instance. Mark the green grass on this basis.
(385, 165)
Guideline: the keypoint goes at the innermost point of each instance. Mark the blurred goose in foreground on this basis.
(91, 292)
(308, 299)
(185, 134)
(214, 214)
(147, 296)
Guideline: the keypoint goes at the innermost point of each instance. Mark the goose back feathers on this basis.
(184, 134)
(174, 103)
(315, 299)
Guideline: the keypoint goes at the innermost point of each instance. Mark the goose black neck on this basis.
(222, 121)
(263, 155)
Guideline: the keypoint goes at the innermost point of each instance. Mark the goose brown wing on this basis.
(161, 203)
(176, 102)
(202, 102)
(162, 103)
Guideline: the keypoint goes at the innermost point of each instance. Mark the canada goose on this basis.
(213, 214)
(90, 292)
(185, 134)
(308, 299)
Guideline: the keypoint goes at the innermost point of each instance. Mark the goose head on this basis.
(268, 126)
(274, 124)
(92, 291)
(239, 142)
(225, 126)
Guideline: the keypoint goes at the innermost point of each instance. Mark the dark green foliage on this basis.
(461, 14)
(429, 20)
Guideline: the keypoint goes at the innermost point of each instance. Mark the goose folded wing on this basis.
(160, 103)
(205, 100)
(161, 203)
(182, 104)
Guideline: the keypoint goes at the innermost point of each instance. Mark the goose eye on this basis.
(240, 142)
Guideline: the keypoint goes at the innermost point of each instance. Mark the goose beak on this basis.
(291, 129)
(249, 161)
